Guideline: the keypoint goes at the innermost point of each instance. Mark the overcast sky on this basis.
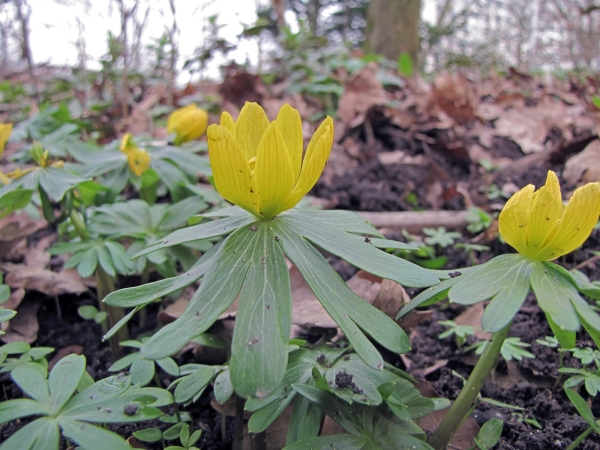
(54, 28)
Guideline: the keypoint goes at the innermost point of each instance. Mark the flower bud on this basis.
(188, 123)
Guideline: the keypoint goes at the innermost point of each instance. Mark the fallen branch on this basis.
(415, 221)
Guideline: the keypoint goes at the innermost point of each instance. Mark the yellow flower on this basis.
(18, 173)
(5, 130)
(188, 123)
(259, 166)
(138, 159)
(539, 227)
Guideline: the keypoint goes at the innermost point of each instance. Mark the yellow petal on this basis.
(5, 131)
(513, 220)
(227, 122)
(577, 222)
(273, 172)
(188, 123)
(315, 160)
(230, 169)
(290, 125)
(250, 128)
(139, 161)
(546, 208)
(127, 143)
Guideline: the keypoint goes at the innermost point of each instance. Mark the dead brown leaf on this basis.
(14, 229)
(453, 94)
(361, 92)
(24, 326)
(67, 281)
(462, 439)
(585, 166)
(65, 351)
(472, 317)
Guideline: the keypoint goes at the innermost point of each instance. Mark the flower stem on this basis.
(105, 284)
(238, 436)
(468, 395)
(580, 439)
(79, 225)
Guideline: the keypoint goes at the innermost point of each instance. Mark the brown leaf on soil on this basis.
(361, 92)
(462, 439)
(24, 326)
(240, 86)
(390, 298)
(175, 309)
(67, 281)
(585, 166)
(36, 255)
(524, 127)
(453, 94)
(135, 443)
(15, 228)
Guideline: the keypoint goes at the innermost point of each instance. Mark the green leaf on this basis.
(505, 278)
(429, 296)
(343, 305)
(336, 441)
(405, 65)
(124, 362)
(15, 409)
(219, 288)
(41, 434)
(193, 384)
(142, 371)
(305, 421)
(552, 291)
(327, 230)
(169, 366)
(90, 437)
(14, 200)
(490, 432)
(148, 435)
(206, 230)
(582, 407)
(32, 381)
(87, 312)
(259, 348)
(6, 314)
(88, 264)
(223, 388)
(63, 380)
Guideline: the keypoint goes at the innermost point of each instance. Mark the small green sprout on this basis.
(478, 220)
(180, 430)
(460, 332)
(90, 312)
(440, 236)
(26, 355)
(548, 341)
(586, 414)
(512, 348)
(489, 434)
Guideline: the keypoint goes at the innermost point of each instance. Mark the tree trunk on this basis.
(393, 28)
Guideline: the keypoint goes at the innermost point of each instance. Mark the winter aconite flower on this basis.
(138, 159)
(5, 130)
(259, 165)
(540, 228)
(188, 123)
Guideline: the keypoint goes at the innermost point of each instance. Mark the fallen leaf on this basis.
(135, 443)
(585, 166)
(462, 439)
(453, 94)
(24, 326)
(472, 317)
(361, 92)
(15, 228)
(67, 281)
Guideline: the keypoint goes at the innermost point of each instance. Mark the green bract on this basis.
(250, 262)
(112, 400)
(506, 280)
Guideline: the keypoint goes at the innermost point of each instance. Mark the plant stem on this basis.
(238, 436)
(143, 281)
(561, 362)
(580, 439)
(79, 225)
(105, 284)
(468, 395)
(177, 413)
(157, 380)
(223, 428)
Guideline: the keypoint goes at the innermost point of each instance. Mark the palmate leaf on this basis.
(251, 262)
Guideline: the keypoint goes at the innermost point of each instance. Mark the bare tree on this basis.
(23, 15)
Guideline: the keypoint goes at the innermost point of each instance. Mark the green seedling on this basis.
(590, 379)
(440, 236)
(488, 435)
(531, 420)
(90, 312)
(143, 370)
(548, 341)
(26, 354)
(586, 414)
(460, 332)
(112, 400)
(478, 220)
(512, 348)
(587, 356)
(4, 294)
(5, 315)
(180, 430)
